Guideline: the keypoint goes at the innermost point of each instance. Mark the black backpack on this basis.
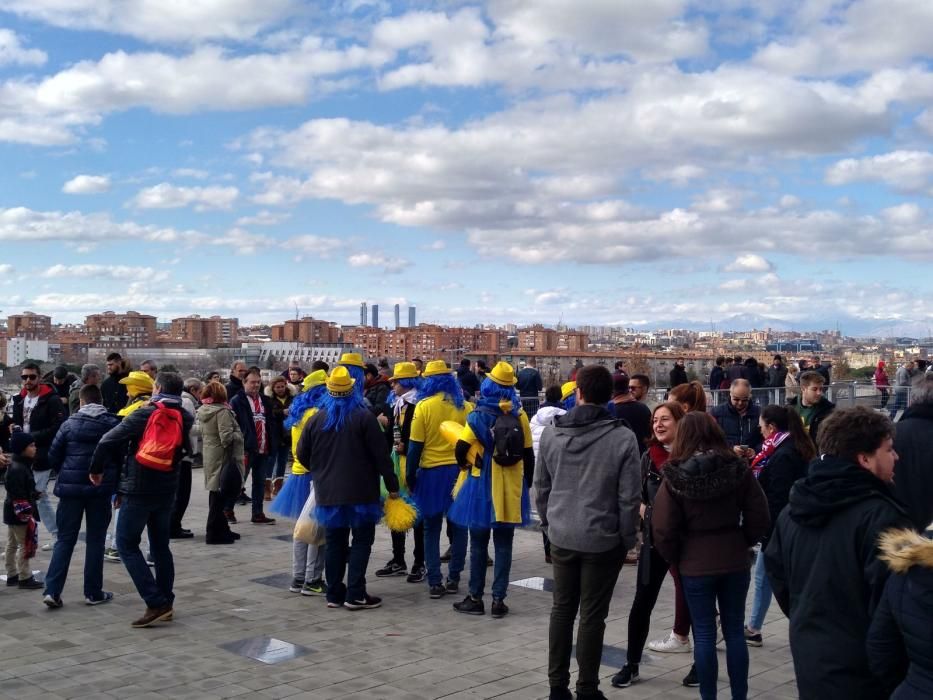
(508, 440)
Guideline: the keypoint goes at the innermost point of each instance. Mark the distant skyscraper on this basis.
(411, 317)
(397, 316)
(375, 315)
(363, 314)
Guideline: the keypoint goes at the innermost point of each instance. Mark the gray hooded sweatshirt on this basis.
(588, 481)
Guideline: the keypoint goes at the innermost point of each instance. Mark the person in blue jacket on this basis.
(70, 454)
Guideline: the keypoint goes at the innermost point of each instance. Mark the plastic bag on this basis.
(307, 529)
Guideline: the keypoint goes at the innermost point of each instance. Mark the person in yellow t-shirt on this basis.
(494, 499)
(431, 471)
(307, 559)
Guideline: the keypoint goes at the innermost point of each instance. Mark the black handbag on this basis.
(231, 480)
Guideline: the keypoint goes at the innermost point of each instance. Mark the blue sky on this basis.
(602, 161)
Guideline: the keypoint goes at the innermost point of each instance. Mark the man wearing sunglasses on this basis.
(38, 410)
(739, 419)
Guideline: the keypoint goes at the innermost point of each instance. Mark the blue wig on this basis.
(569, 402)
(301, 403)
(356, 372)
(442, 383)
(492, 394)
(338, 409)
(412, 383)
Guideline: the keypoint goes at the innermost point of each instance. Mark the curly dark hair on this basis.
(850, 432)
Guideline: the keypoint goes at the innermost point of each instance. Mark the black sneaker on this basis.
(560, 693)
(437, 591)
(691, 681)
(368, 602)
(393, 568)
(499, 608)
(627, 675)
(753, 639)
(595, 695)
(452, 587)
(52, 601)
(470, 606)
(243, 499)
(418, 573)
(12, 580)
(297, 583)
(446, 555)
(30, 584)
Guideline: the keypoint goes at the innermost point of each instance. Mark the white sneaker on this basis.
(670, 645)
(49, 546)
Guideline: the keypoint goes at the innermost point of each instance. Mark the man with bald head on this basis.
(738, 419)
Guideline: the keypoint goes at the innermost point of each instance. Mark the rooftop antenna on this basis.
(296, 311)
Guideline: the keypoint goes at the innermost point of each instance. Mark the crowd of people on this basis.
(800, 497)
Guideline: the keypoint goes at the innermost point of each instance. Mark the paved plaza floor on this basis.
(232, 602)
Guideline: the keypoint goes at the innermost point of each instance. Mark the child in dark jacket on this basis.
(20, 512)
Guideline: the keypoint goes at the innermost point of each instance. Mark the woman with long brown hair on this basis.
(652, 568)
(708, 513)
(784, 456)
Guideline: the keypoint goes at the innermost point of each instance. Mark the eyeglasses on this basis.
(27, 377)
(736, 399)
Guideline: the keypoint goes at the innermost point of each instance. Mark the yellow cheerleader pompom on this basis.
(458, 484)
(399, 515)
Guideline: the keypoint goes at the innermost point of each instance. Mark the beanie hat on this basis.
(19, 441)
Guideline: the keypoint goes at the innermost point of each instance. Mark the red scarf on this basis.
(259, 421)
(659, 456)
(767, 449)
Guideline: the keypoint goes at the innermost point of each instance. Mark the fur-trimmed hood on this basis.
(903, 549)
(292, 390)
(704, 477)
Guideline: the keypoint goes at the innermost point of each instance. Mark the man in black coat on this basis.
(678, 375)
(38, 410)
(147, 496)
(253, 411)
(235, 384)
(469, 382)
(914, 444)
(738, 419)
(113, 391)
(822, 559)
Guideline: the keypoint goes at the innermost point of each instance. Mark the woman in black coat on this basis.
(784, 456)
(900, 640)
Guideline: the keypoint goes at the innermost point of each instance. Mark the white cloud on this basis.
(749, 262)
(87, 184)
(13, 52)
(6, 269)
(789, 201)
(242, 242)
(906, 214)
(114, 272)
(23, 224)
(388, 264)
(168, 196)
(193, 173)
(908, 171)
(845, 38)
(153, 20)
(263, 218)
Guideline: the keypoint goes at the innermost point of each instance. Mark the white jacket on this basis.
(543, 418)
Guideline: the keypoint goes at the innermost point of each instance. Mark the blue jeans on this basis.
(46, 511)
(278, 459)
(432, 550)
(479, 549)
(341, 557)
(96, 510)
(259, 468)
(762, 598)
(900, 404)
(702, 592)
(138, 513)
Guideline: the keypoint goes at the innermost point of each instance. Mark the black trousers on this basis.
(646, 595)
(182, 495)
(584, 581)
(398, 546)
(217, 526)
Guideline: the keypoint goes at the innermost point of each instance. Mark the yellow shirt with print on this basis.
(298, 467)
(426, 429)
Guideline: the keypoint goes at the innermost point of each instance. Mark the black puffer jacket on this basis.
(73, 449)
(44, 421)
(776, 479)
(20, 485)
(913, 479)
(823, 565)
(121, 444)
(900, 641)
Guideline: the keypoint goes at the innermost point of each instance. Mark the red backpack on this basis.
(161, 438)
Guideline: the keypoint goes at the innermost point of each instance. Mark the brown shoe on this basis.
(267, 493)
(231, 517)
(277, 485)
(261, 519)
(153, 615)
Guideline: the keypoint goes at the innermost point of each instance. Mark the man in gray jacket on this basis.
(588, 489)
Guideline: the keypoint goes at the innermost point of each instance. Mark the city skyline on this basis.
(605, 162)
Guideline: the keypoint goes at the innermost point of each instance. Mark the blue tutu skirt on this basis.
(433, 489)
(348, 515)
(292, 497)
(473, 507)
